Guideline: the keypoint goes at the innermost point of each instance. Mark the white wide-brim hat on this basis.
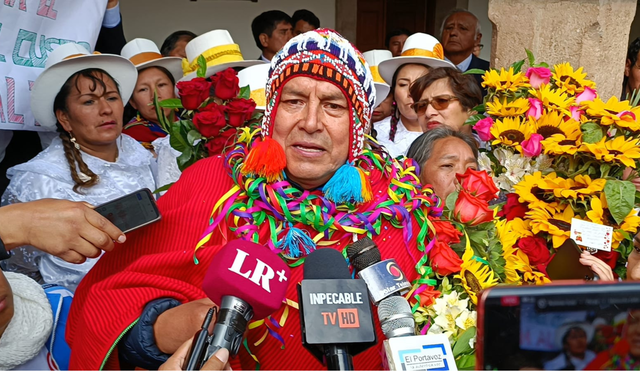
(420, 48)
(562, 330)
(256, 78)
(63, 63)
(144, 53)
(218, 49)
(374, 58)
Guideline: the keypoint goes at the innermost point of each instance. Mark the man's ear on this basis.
(627, 67)
(64, 120)
(264, 40)
(478, 38)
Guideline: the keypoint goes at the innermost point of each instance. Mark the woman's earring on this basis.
(73, 140)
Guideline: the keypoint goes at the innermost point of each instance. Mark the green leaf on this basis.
(163, 188)
(257, 116)
(517, 66)
(176, 140)
(164, 123)
(532, 59)
(466, 362)
(245, 92)
(543, 64)
(591, 132)
(462, 345)
(184, 159)
(474, 71)
(193, 136)
(480, 108)
(202, 66)
(450, 203)
(620, 195)
(171, 103)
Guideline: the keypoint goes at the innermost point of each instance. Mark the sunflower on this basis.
(553, 99)
(510, 131)
(600, 214)
(573, 188)
(475, 275)
(553, 123)
(559, 144)
(513, 264)
(617, 150)
(614, 112)
(514, 108)
(570, 81)
(557, 223)
(530, 190)
(509, 232)
(505, 80)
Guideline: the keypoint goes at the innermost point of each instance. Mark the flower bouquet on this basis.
(558, 152)
(213, 109)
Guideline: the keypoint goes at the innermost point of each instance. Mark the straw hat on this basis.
(256, 78)
(63, 63)
(420, 48)
(562, 331)
(218, 49)
(374, 58)
(144, 53)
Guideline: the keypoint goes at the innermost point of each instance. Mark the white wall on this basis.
(157, 19)
(480, 8)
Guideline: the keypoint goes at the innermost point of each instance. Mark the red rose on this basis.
(428, 296)
(227, 84)
(240, 111)
(479, 184)
(194, 92)
(513, 208)
(446, 232)
(444, 261)
(471, 210)
(210, 120)
(535, 248)
(609, 257)
(213, 147)
(217, 144)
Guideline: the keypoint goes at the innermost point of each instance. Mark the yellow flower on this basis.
(617, 150)
(505, 80)
(510, 132)
(554, 123)
(509, 232)
(503, 108)
(600, 214)
(557, 223)
(614, 112)
(475, 275)
(579, 186)
(553, 99)
(570, 81)
(517, 262)
(530, 190)
(559, 144)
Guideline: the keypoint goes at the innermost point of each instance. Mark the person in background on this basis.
(303, 20)
(460, 34)
(625, 354)
(573, 339)
(631, 81)
(398, 131)
(174, 44)
(271, 30)
(156, 75)
(384, 100)
(477, 49)
(80, 94)
(395, 40)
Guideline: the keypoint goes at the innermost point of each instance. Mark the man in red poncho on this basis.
(308, 179)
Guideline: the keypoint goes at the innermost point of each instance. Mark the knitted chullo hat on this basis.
(323, 55)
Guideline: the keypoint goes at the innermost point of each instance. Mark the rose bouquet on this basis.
(213, 109)
(558, 152)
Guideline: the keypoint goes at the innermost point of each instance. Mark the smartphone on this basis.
(132, 211)
(568, 325)
(565, 264)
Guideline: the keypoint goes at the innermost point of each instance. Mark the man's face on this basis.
(633, 333)
(449, 156)
(181, 44)
(280, 35)
(312, 125)
(396, 43)
(302, 27)
(459, 34)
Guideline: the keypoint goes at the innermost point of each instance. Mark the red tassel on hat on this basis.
(266, 159)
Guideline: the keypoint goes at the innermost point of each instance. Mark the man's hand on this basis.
(219, 361)
(72, 231)
(112, 3)
(179, 324)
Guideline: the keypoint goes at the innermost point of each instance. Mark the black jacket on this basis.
(479, 64)
(111, 40)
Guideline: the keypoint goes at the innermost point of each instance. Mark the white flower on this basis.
(485, 163)
(472, 342)
(467, 319)
(436, 330)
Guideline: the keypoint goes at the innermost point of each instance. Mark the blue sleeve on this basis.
(138, 346)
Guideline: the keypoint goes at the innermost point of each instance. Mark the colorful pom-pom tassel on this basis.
(348, 184)
(266, 159)
(295, 240)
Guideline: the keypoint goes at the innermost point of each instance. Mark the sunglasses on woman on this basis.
(440, 102)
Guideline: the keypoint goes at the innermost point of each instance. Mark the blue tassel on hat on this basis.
(296, 239)
(348, 184)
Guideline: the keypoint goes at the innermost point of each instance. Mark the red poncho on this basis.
(157, 261)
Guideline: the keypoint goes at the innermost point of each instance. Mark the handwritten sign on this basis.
(592, 235)
(29, 31)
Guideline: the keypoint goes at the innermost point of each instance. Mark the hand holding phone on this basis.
(132, 211)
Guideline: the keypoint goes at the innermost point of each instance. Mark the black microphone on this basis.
(335, 315)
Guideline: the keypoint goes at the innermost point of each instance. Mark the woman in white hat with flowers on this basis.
(420, 53)
(81, 94)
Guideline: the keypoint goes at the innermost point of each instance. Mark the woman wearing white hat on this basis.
(573, 339)
(420, 53)
(80, 94)
(155, 74)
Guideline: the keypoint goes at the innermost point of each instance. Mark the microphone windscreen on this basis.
(325, 264)
(363, 253)
(250, 272)
(394, 314)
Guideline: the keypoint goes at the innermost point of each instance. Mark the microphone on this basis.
(335, 316)
(383, 278)
(395, 317)
(246, 280)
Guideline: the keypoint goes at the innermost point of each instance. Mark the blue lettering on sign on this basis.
(1, 56)
(45, 46)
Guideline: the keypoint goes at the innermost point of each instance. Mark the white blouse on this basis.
(48, 176)
(403, 139)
